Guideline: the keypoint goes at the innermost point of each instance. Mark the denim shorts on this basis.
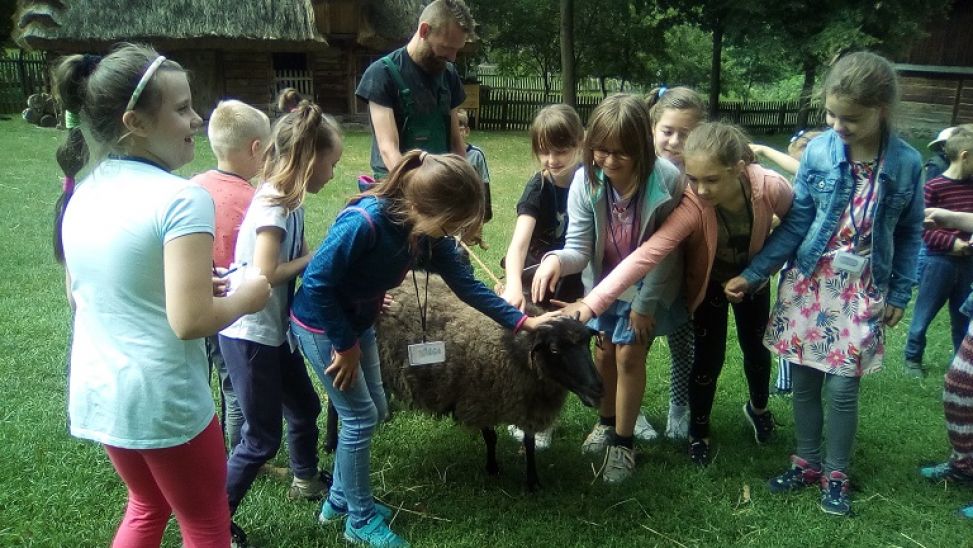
(615, 323)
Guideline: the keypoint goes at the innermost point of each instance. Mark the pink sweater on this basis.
(695, 223)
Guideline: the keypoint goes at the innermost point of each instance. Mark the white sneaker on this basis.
(677, 426)
(542, 439)
(644, 430)
(515, 433)
(619, 464)
(597, 441)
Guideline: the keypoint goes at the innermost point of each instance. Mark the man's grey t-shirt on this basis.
(377, 86)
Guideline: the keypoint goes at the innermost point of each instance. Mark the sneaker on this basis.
(677, 425)
(644, 430)
(238, 538)
(914, 369)
(515, 433)
(945, 472)
(834, 494)
(307, 489)
(331, 513)
(763, 424)
(966, 511)
(597, 441)
(542, 439)
(800, 475)
(782, 392)
(374, 533)
(619, 464)
(699, 452)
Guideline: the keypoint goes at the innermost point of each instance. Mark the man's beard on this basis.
(430, 63)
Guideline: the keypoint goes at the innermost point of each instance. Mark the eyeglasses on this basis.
(602, 154)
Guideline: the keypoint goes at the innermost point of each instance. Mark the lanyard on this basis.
(746, 202)
(872, 178)
(610, 205)
(423, 307)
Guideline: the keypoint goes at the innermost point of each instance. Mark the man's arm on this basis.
(387, 134)
(456, 144)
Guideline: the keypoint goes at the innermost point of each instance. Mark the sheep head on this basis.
(561, 351)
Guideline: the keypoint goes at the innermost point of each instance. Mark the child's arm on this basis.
(578, 243)
(514, 260)
(784, 160)
(191, 308)
(939, 239)
(266, 257)
(681, 223)
(906, 240)
(944, 218)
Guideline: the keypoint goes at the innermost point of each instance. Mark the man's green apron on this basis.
(429, 131)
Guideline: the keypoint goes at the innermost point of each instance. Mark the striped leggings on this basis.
(958, 405)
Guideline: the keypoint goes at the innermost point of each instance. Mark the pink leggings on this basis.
(189, 479)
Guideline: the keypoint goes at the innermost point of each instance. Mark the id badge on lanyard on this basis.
(426, 352)
(850, 261)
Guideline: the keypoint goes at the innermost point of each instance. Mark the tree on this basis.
(568, 82)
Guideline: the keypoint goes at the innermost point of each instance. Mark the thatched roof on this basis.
(389, 24)
(71, 24)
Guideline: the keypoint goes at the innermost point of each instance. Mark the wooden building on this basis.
(247, 49)
(937, 73)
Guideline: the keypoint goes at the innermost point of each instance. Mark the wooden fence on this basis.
(506, 109)
(19, 78)
(536, 83)
(301, 80)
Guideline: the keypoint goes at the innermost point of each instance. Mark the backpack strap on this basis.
(405, 94)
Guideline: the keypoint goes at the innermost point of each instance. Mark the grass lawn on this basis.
(58, 491)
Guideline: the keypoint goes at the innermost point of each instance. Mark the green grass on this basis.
(59, 491)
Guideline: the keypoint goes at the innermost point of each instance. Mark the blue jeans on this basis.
(360, 408)
(944, 278)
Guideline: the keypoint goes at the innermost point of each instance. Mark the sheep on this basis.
(490, 375)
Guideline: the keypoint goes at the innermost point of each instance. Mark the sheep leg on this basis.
(490, 437)
(532, 482)
(331, 437)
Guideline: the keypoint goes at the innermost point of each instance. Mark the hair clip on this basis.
(422, 156)
(144, 81)
(798, 135)
(662, 91)
(71, 120)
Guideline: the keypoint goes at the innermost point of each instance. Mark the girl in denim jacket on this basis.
(853, 234)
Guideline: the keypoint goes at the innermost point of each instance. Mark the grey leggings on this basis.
(842, 400)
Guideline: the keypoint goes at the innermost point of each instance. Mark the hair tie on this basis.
(144, 81)
(67, 185)
(71, 120)
(422, 156)
(662, 91)
(89, 62)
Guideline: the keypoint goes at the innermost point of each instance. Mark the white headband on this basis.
(144, 81)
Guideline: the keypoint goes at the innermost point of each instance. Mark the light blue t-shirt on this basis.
(133, 383)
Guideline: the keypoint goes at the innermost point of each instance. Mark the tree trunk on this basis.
(568, 84)
(716, 69)
(804, 103)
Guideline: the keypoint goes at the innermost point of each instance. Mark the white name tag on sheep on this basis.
(427, 353)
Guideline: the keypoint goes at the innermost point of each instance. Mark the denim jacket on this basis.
(822, 190)
(584, 248)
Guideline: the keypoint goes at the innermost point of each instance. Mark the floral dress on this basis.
(832, 320)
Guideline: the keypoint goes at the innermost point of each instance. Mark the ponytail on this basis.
(295, 142)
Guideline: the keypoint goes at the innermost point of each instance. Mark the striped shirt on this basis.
(951, 194)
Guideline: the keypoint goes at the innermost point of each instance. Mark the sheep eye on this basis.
(555, 350)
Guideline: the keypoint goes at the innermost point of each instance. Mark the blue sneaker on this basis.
(330, 513)
(373, 533)
(966, 511)
(834, 494)
(801, 474)
(945, 471)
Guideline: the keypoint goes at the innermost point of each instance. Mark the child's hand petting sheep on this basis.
(532, 323)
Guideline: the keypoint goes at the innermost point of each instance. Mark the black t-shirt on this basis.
(548, 204)
(377, 86)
